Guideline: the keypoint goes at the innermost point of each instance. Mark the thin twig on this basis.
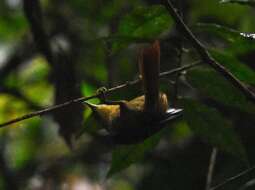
(46, 110)
(211, 168)
(204, 54)
(82, 99)
(248, 184)
(180, 69)
(231, 179)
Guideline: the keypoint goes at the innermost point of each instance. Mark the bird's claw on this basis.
(101, 93)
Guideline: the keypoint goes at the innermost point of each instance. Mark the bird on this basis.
(129, 122)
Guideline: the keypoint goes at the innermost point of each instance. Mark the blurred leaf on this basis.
(87, 89)
(2, 183)
(221, 31)
(40, 93)
(144, 23)
(10, 108)
(210, 125)
(122, 185)
(24, 145)
(31, 80)
(238, 42)
(236, 57)
(242, 2)
(114, 8)
(180, 132)
(125, 155)
(91, 125)
(214, 86)
(229, 14)
(239, 69)
(94, 59)
(36, 71)
(12, 26)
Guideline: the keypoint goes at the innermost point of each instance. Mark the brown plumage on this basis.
(135, 119)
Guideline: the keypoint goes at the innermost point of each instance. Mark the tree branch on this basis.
(204, 54)
(33, 13)
(82, 99)
(231, 179)
(211, 168)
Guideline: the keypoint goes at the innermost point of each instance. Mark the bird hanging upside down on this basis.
(132, 121)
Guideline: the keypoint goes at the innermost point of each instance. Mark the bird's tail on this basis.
(149, 65)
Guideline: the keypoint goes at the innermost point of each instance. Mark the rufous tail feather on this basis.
(149, 65)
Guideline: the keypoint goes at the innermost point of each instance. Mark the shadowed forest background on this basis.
(55, 51)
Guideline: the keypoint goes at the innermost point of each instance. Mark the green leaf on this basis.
(24, 146)
(12, 27)
(238, 42)
(210, 125)
(236, 67)
(242, 2)
(221, 31)
(125, 155)
(145, 22)
(142, 23)
(214, 86)
(240, 45)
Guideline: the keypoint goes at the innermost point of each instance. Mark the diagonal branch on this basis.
(82, 99)
(231, 179)
(204, 54)
(211, 168)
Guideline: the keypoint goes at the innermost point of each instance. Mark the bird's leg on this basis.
(101, 94)
(122, 103)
